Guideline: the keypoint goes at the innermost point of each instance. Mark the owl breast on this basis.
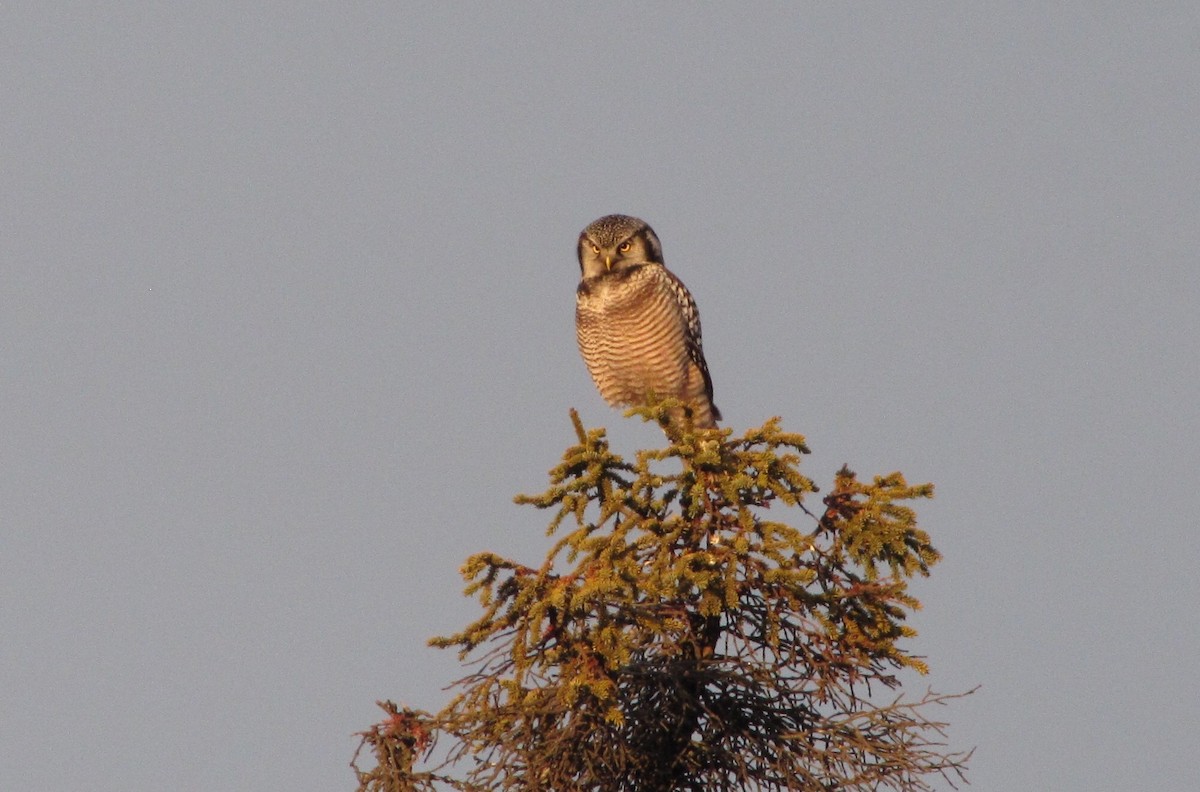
(633, 336)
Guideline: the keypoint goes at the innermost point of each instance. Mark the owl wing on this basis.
(694, 338)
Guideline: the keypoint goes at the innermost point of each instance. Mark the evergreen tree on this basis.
(680, 635)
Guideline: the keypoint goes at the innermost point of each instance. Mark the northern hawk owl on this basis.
(637, 324)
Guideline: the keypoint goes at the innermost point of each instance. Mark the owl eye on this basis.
(625, 247)
(595, 248)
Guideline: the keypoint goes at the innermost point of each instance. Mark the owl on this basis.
(637, 324)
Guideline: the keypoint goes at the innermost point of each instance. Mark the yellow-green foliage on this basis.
(695, 624)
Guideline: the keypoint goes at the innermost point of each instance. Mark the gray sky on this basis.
(280, 281)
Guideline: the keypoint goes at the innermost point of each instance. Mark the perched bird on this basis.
(637, 324)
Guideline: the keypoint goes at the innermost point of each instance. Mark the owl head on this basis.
(617, 242)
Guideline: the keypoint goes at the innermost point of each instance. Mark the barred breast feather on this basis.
(639, 334)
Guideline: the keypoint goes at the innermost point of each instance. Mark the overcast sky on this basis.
(286, 319)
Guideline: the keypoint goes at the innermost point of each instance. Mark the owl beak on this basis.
(608, 262)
